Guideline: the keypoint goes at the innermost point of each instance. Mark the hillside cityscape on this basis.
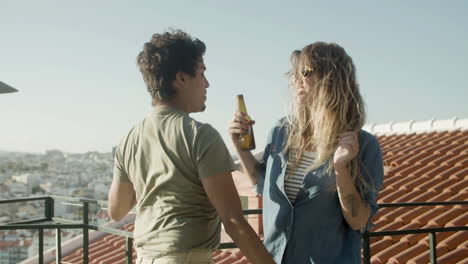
(85, 175)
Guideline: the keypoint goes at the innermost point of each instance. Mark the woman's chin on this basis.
(300, 99)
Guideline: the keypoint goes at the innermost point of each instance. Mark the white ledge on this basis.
(412, 126)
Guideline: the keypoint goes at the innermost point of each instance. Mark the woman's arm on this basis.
(238, 125)
(355, 210)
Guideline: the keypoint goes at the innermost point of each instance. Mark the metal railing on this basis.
(431, 231)
(49, 221)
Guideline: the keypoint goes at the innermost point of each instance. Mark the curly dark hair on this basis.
(165, 55)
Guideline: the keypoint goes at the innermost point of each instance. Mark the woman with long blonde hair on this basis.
(321, 173)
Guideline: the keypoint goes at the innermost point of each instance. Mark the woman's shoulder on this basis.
(281, 122)
(277, 133)
(368, 141)
(367, 137)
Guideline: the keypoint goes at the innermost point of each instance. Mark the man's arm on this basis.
(223, 195)
(121, 199)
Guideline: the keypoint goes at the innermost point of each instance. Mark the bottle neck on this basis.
(241, 104)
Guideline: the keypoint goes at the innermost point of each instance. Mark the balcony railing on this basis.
(49, 221)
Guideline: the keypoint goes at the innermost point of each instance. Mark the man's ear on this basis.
(179, 81)
(180, 77)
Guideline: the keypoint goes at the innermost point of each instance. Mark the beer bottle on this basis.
(246, 140)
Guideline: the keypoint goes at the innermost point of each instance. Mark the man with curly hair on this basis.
(176, 170)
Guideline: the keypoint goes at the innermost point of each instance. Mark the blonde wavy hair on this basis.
(334, 106)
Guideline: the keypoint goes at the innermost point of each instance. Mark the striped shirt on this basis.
(294, 178)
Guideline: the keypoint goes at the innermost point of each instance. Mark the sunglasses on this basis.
(306, 71)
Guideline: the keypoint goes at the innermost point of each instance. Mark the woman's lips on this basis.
(300, 92)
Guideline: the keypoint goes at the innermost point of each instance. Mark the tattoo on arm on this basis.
(351, 202)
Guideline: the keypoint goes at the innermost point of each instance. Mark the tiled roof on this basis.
(421, 165)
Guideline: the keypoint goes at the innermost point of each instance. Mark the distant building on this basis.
(14, 251)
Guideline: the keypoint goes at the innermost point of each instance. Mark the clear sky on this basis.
(73, 62)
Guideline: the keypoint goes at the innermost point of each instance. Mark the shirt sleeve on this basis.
(120, 174)
(211, 154)
(260, 169)
(373, 172)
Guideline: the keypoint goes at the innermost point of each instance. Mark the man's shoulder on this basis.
(200, 128)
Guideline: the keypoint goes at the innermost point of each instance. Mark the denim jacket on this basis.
(313, 230)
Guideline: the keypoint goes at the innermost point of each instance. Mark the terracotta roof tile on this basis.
(433, 159)
(424, 257)
(463, 173)
(425, 217)
(423, 197)
(379, 224)
(384, 193)
(410, 213)
(446, 217)
(455, 240)
(410, 194)
(451, 172)
(460, 149)
(423, 170)
(442, 184)
(384, 255)
(408, 182)
(443, 196)
(390, 177)
(454, 256)
(392, 196)
(460, 186)
(393, 225)
(460, 220)
(413, 239)
(407, 254)
(457, 160)
(396, 213)
(380, 245)
(461, 196)
(409, 226)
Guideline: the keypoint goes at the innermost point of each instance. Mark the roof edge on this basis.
(413, 126)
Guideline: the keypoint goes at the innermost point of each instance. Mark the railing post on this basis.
(85, 232)
(366, 247)
(49, 208)
(433, 247)
(41, 246)
(58, 246)
(129, 249)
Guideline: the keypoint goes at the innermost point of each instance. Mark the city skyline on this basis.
(80, 90)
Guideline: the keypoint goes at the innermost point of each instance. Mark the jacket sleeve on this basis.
(260, 169)
(373, 172)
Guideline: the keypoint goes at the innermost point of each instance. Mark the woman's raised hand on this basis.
(348, 148)
(239, 125)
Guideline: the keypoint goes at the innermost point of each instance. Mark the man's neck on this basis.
(174, 105)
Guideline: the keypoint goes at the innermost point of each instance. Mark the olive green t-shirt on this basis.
(165, 156)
